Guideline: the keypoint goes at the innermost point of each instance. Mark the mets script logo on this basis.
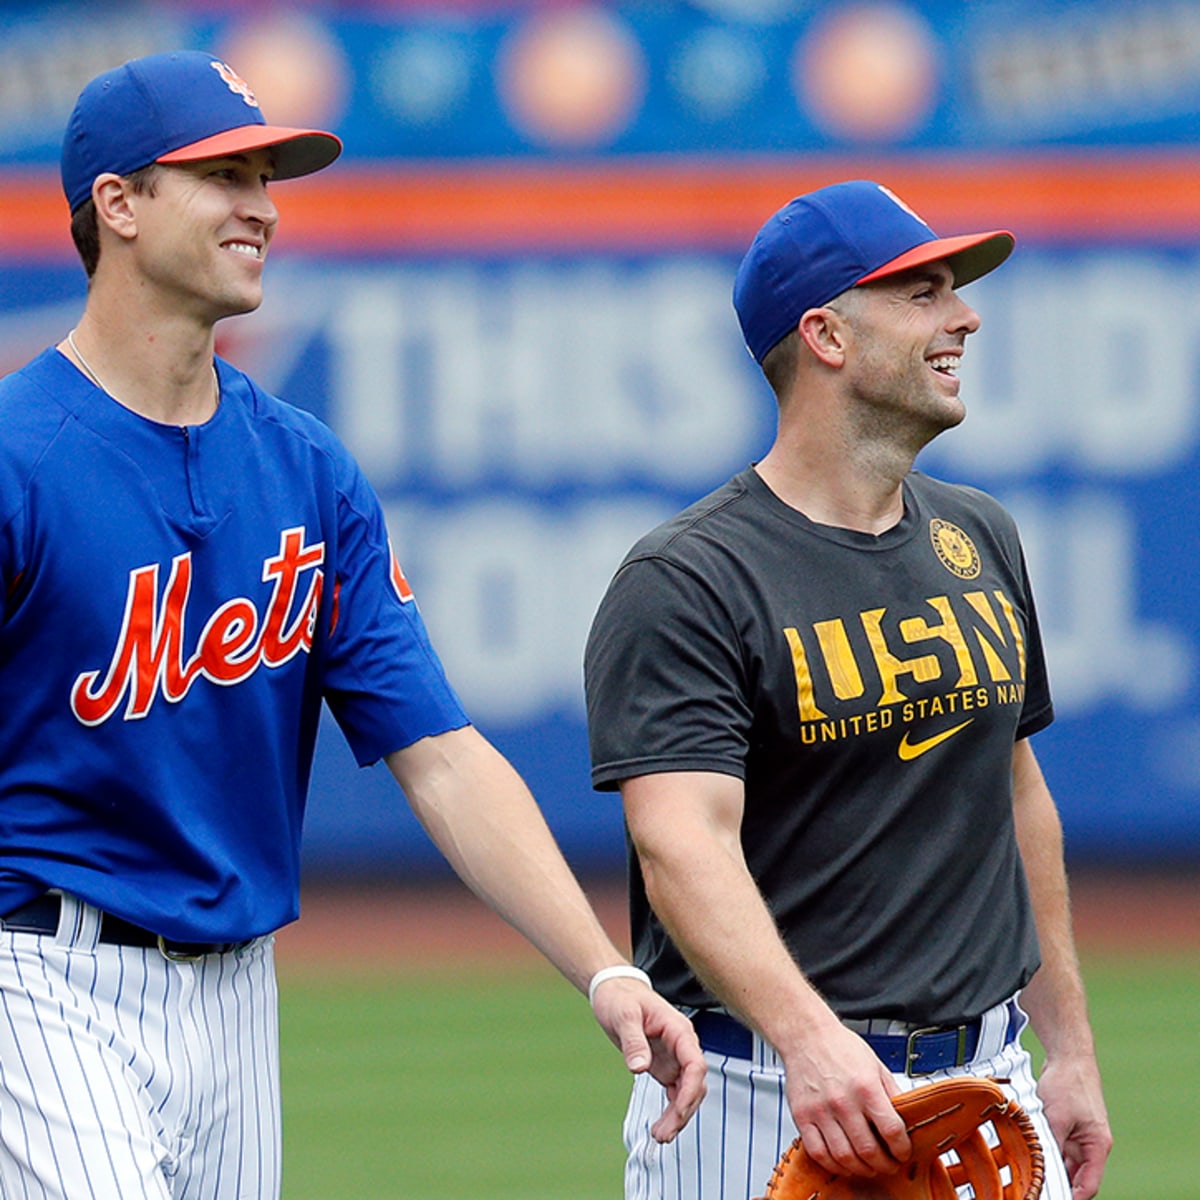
(955, 549)
(149, 657)
(234, 82)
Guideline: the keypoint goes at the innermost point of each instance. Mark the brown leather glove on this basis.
(963, 1130)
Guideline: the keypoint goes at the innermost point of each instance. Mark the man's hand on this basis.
(1070, 1092)
(840, 1096)
(654, 1036)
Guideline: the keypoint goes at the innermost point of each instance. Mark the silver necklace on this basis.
(87, 367)
(83, 362)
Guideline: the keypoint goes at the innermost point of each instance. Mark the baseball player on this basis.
(815, 689)
(189, 567)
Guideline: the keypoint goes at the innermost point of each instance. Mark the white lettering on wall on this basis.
(542, 373)
(1082, 556)
(548, 400)
(508, 591)
(1089, 361)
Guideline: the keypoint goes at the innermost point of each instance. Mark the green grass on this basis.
(1146, 1016)
(501, 1086)
(493, 1086)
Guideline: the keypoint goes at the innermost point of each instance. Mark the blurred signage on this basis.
(531, 79)
(514, 308)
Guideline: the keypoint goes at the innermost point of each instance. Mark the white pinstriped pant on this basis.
(730, 1147)
(125, 1075)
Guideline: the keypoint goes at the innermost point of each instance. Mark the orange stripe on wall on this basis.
(672, 204)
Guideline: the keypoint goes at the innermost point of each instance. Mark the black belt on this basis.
(42, 916)
(921, 1052)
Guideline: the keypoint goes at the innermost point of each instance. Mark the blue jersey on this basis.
(178, 602)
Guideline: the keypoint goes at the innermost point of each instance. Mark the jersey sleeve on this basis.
(664, 678)
(1038, 710)
(384, 682)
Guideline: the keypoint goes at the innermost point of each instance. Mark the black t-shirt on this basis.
(868, 690)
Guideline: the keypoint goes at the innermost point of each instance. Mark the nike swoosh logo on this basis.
(910, 750)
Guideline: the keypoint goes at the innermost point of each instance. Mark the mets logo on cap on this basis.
(234, 82)
(956, 551)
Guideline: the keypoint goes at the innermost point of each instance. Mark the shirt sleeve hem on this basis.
(607, 776)
(1038, 721)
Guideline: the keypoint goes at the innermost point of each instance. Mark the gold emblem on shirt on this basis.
(955, 549)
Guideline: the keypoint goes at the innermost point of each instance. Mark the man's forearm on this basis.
(1069, 1086)
(699, 885)
(1055, 998)
(479, 813)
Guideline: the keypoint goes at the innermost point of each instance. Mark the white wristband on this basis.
(622, 971)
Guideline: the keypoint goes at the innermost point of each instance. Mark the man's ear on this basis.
(111, 195)
(825, 332)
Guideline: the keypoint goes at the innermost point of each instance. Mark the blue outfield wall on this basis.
(528, 419)
(527, 403)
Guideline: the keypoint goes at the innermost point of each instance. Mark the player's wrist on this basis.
(619, 971)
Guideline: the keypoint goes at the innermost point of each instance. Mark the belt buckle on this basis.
(911, 1051)
(175, 955)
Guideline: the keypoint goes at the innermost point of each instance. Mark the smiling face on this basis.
(906, 338)
(202, 235)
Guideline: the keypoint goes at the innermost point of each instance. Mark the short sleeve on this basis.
(1038, 710)
(384, 682)
(664, 678)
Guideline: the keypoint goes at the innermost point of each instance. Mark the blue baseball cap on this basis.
(835, 238)
(176, 107)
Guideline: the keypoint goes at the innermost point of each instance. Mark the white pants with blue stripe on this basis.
(730, 1147)
(125, 1075)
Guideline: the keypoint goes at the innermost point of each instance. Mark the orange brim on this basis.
(297, 151)
(968, 256)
